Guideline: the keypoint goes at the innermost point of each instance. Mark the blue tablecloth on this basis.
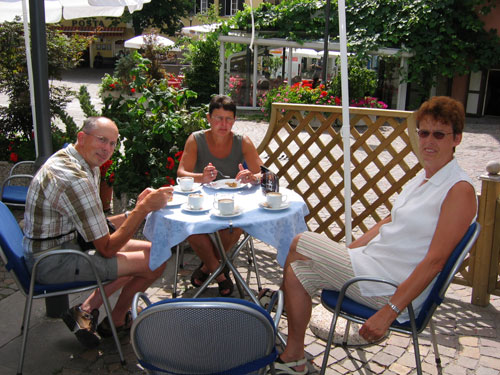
(170, 226)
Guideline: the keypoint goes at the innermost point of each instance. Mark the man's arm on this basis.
(457, 212)
(154, 200)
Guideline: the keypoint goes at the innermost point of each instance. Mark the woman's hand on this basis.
(378, 324)
(209, 173)
(246, 176)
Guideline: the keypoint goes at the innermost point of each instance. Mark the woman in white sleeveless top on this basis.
(410, 246)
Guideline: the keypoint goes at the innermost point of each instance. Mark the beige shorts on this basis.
(68, 268)
(329, 267)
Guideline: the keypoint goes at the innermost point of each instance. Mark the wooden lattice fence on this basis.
(309, 160)
(304, 146)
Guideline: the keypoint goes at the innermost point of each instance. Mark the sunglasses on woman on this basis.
(436, 134)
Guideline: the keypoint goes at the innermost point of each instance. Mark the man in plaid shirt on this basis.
(63, 203)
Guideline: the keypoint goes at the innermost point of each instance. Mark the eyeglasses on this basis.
(103, 140)
(436, 134)
(220, 119)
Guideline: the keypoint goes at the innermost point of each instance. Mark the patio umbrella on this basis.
(139, 41)
(54, 11)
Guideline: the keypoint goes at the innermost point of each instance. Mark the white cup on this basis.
(195, 201)
(186, 183)
(275, 199)
(224, 203)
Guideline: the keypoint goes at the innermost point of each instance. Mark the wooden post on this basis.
(490, 191)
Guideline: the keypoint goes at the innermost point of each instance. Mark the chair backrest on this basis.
(446, 275)
(204, 336)
(11, 243)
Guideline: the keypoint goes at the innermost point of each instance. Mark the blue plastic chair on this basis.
(343, 306)
(12, 254)
(15, 195)
(205, 336)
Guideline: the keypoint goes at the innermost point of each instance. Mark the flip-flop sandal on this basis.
(287, 367)
(198, 276)
(226, 284)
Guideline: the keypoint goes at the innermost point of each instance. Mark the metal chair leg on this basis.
(432, 327)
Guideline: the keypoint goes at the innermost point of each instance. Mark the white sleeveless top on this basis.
(403, 243)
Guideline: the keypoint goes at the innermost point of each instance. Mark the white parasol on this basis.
(139, 41)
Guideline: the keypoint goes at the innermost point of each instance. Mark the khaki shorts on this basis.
(68, 268)
(329, 267)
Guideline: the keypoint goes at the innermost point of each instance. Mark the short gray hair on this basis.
(91, 123)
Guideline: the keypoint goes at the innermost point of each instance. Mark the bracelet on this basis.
(126, 213)
(394, 307)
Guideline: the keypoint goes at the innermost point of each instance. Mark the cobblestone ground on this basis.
(468, 336)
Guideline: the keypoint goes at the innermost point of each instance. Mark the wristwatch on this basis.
(394, 307)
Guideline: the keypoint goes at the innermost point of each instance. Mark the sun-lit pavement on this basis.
(469, 336)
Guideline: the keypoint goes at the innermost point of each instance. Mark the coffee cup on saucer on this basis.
(185, 183)
(275, 199)
(195, 201)
(224, 203)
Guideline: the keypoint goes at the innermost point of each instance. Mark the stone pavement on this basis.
(468, 336)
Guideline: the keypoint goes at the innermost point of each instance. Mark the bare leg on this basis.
(206, 251)
(298, 306)
(137, 264)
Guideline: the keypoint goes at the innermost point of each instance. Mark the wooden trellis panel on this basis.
(310, 160)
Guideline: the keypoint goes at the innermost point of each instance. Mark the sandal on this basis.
(226, 285)
(198, 276)
(104, 328)
(265, 296)
(287, 367)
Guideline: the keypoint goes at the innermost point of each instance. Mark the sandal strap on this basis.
(287, 367)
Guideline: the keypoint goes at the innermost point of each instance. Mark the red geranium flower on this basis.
(13, 157)
(170, 181)
(178, 155)
(132, 90)
(111, 178)
(338, 101)
(170, 163)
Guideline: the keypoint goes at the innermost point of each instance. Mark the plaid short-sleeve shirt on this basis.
(63, 199)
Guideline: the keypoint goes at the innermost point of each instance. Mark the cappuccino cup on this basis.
(195, 201)
(185, 183)
(275, 199)
(225, 204)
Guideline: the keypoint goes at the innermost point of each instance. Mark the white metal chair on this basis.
(343, 306)
(12, 254)
(205, 335)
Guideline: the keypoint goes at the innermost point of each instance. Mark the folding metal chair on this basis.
(15, 194)
(205, 336)
(12, 254)
(343, 306)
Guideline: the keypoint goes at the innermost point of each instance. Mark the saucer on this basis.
(185, 207)
(237, 212)
(283, 206)
(177, 200)
(196, 187)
